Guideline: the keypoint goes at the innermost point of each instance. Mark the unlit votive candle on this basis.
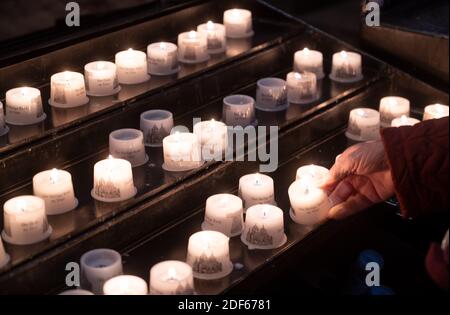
(125, 285)
(132, 67)
(239, 110)
(162, 58)
(435, 111)
(128, 144)
(306, 60)
(208, 255)
(97, 267)
(25, 221)
(315, 174)
(182, 152)
(171, 277)
(346, 67)
(392, 107)
(224, 213)
(264, 227)
(3, 128)
(192, 47)
(363, 124)
(101, 78)
(256, 189)
(156, 124)
(56, 188)
(238, 23)
(24, 106)
(67, 90)
(113, 180)
(215, 35)
(404, 121)
(4, 257)
(271, 94)
(213, 137)
(301, 87)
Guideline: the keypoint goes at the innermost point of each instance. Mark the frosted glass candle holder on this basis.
(315, 174)
(213, 137)
(24, 106)
(239, 110)
(215, 35)
(162, 58)
(132, 67)
(271, 95)
(101, 78)
(306, 60)
(192, 47)
(156, 124)
(363, 125)
(301, 87)
(435, 111)
(171, 277)
(128, 144)
(256, 189)
(392, 107)
(182, 152)
(238, 23)
(67, 90)
(346, 67)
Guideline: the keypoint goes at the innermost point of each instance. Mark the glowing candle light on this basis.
(101, 78)
(193, 47)
(67, 90)
(346, 67)
(171, 278)
(131, 67)
(162, 58)
(215, 35)
(363, 125)
(435, 111)
(238, 23)
(392, 107)
(256, 189)
(24, 106)
(224, 213)
(307, 60)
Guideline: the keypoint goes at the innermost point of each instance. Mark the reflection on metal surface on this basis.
(61, 116)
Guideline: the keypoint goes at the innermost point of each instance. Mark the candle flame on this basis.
(162, 46)
(392, 102)
(24, 91)
(54, 175)
(439, 108)
(210, 25)
(404, 119)
(100, 65)
(67, 75)
(172, 273)
(306, 51)
(130, 49)
(192, 34)
(110, 157)
(343, 54)
(297, 76)
(21, 204)
(361, 112)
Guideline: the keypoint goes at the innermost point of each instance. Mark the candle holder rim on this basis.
(75, 205)
(17, 89)
(114, 255)
(87, 67)
(112, 92)
(366, 109)
(33, 122)
(98, 198)
(264, 247)
(144, 115)
(265, 82)
(136, 133)
(44, 236)
(64, 106)
(353, 79)
(36, 198)
(176, 70)
(248, 100)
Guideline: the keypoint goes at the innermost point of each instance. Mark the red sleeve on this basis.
(418, 159)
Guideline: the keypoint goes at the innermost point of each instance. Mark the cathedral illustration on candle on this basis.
(106, 189)
(214, 43)
(190, 52)
(236, 225)
(346, 71)
(156, 135)
(59, 95)
(207, 264)
(259, 236)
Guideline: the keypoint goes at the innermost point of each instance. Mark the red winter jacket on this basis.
(418, 159)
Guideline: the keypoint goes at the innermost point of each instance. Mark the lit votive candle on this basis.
(213, 137)
(309, 204)
(392, 107)
(435, 111)
(208, 255)
(3, 128)
(271, 94)
(182, 152)
(363, 124)
(56, 188)
(4, 257)
(67, 90)
(97, 267)
(192, 47)
(128, 144)
(125, 285)
(215, 35)
(256, 189)
(306, 60)
(238, 23)
(132, 67)
(346, 67)
(156, 124)
(301, 87)
(162, 58)
(315, 174)
(224, 213)
(24, 106)
(101, 78)
(239, 110)
(76, 292)
(25, 221)
(113, 180)
(171, 277)
(404, 121)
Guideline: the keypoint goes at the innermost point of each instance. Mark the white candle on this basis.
(208, 255)
(239, 110)
(192, 47)
(101, 78)
(4, 257)
(264, 227)
(435, 111)
(156, 124)
(56, 188)
(24, 106)
(125, 285)
(76, 292)
(224, 213)
(128, 144)
(271, 94)
(162, 58)
(315, 174)
(301, 87)
(67, 90)
(171, 277)
(98, 266)
(132, 67)
(306, 60)
(238, 23)
(113, 180)
(363, 124)
(256, 189)
(213, 137)
(25, 221)
(182, 152)
(309, 204)
(3, 128)
(215, 35)
(346, 67)
(392, 107)
(404, 121)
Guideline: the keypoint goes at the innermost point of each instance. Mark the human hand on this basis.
(359, 178)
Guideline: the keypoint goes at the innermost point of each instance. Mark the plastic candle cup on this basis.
(224, 213)
(215, 35)
(3, 128)
(171, 277)
(76, 292)
(162, 58)
(182, 152)
(435, 111)
(301, 87)
(24, 106)
(315, 174)
(128, 144)
(208, 255)
(392, 107)
(271, 94)
(238, 23)
(101, 78)
(132, 67)
(113, 180)
(56, 189)
(4, 257)
(67, 90)
(239, 110)
(307, 60)
(125, 285)
(346, 67)
(256, 189)
(363, 125)
(192, 47)
(25, 221)
(156, 124)
(404, 121)
(213, 137)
